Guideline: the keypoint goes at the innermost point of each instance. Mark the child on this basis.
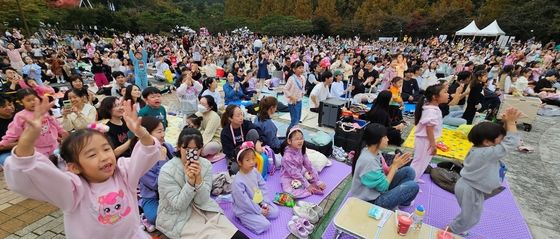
(387, 186)
(140, 62)
(40, 89)
(32, 70)
(149, 182)
(483, 170)
(50, 129)
(337, 87)
(294, 91)
(153, 106)
(99, 73)
(97, 194)
(111, 108)
(251, 204)
(429, 123)
(298, 177)
(395, 88)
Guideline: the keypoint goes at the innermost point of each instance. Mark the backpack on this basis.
(273, 160)
(262, 164)
(446, 175)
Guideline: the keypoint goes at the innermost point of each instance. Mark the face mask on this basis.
(202, 109)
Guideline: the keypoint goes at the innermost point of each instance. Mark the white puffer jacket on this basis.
(176, 196)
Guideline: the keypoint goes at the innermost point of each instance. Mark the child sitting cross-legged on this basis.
(250, 201)
(97, 194)
(298, 178)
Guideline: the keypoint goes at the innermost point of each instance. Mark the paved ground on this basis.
(533, 178)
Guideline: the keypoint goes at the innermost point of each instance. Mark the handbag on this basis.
(348, 135)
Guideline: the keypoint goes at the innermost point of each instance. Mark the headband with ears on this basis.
(245, 146)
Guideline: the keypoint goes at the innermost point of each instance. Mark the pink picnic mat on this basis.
(501, 217)
(332, 176)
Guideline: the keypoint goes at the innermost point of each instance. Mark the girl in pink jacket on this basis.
(97, 194)
(51, 130)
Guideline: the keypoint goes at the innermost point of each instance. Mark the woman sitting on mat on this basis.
(267, 107)
(234, 130)
(379, 113)
(185, 207)
(377, 183)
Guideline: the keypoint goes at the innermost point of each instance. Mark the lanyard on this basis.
(233, 134)
(298, 83)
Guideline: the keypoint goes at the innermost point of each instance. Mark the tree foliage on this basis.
(419, 18)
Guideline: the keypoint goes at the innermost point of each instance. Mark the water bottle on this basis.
(418, 217)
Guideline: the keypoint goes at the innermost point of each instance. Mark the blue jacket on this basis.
(149, 182)
(269, 133)
(232, 95)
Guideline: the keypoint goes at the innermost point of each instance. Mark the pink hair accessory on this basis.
(244, 146)
(99, 127)
(293, 129)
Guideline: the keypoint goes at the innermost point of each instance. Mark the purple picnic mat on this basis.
(501, 217)
(332, 176)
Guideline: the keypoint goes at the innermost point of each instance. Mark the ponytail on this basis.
(431, 92)
(419, 109)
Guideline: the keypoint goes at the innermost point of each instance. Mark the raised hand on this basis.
(26, 142)
(511, 115)
(401, 159)
(131, 118)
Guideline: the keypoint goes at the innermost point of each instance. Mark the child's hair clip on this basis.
(244, 146)
(99, 127)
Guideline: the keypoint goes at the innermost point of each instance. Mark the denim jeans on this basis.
(150, 206)
(295, 114)
(3, 157)
(402, 190)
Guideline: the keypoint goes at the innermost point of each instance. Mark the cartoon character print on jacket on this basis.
(113, 207)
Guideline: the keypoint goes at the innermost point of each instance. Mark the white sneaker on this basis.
(307, 213)
(318, 209)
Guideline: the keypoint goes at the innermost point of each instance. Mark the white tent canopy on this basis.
(492, 30)
(469, 30)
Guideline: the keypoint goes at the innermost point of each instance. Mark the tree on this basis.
(371, 15)
(327, 9)
(303, 9)
(451, 15)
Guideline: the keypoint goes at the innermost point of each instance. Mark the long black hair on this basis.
(211, 102)
(289, 136)
(431, 92)
(373, 134)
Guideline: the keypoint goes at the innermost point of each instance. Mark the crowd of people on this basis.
(80, 111)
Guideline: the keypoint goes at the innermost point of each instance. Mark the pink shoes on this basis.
(300, 227)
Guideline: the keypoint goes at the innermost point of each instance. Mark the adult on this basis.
(375, 181)
(111, 108)
(134, 94)
(210, 126)
(234, 130)
(188, 93)
(410, 89)
(211, 85)
(80, 113)
(380, 114)
(234, 93)
(546, 82)
(452, 112)
(15, 82)
(320, 92)
(267, 107)
(185, 208)
(118, 87)
(76, 82)
(7, 111)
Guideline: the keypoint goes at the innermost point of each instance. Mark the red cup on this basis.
(444, 235)
(404, 223)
